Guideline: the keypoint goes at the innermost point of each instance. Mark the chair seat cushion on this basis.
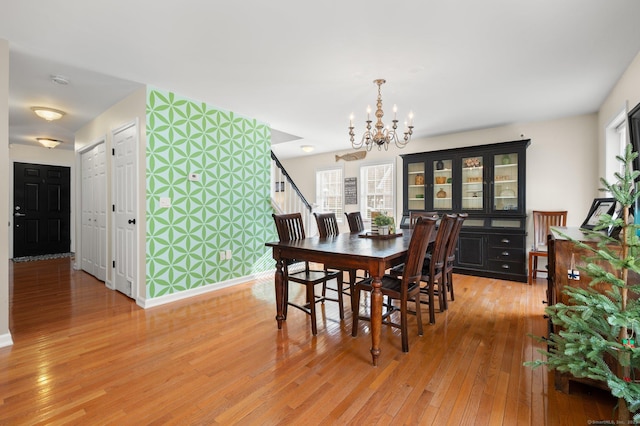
(312, 276)
(389, 284)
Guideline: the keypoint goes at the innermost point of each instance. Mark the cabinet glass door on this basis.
(472, 183)
(442, 185)
(415, 186)
(505, 177)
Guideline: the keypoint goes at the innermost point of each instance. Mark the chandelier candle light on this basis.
(381, 136)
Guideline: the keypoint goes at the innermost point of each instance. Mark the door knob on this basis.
(132, 221)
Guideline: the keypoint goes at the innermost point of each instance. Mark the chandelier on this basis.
(381, 136)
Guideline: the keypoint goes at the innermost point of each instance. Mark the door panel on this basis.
(125, 195)
(42, 209)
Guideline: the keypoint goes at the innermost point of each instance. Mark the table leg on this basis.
(376, 316)
(279, 283)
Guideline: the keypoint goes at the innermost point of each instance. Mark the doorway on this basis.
(41, 209)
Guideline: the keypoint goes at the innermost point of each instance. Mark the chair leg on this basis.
(535, 267)
(355, 307)
(339, 285)
(312, 308)
(432, 310)
(403, 325)
(442, 293)
(450, 284)
(418, 314)
(530, 277)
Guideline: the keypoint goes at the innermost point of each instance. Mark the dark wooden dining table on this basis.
(344, 251)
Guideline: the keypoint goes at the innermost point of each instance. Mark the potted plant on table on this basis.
(598, 332)
(383, 222)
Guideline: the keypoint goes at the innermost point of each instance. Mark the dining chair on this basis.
(354, 219)
(433, 267)
(450, 257)
(414, 215)
(405, 288)
(291, 228)
(328, 227)
(542, 221)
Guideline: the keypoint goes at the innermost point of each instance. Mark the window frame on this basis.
(362, 196)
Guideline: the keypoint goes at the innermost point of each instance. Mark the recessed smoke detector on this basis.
(59, 79)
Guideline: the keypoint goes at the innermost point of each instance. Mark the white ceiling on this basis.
(304, 67)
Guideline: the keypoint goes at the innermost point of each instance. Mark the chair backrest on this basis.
(417, 249)
(355, 221)
(439, 252)
(289, 226)
(327, 224)
(414, 215)
(453, 239)
(542, 221)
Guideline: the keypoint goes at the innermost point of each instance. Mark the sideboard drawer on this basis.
(507, 240)
(507, 267)
(506, 254)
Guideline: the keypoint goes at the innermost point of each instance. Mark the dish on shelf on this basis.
(507, 193)
(474, 179)
(503, 177)
(441, 179)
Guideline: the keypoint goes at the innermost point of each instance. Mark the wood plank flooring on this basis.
(87, 355)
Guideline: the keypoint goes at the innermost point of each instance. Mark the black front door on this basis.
(41, 209)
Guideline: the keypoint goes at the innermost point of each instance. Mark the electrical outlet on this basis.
(228, 253)
(223, 255)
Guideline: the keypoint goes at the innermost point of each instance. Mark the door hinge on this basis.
(113, 264)
(113, 151)
(113, 207)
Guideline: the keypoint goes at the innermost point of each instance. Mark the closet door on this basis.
(94, 212)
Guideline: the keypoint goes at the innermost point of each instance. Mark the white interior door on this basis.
(125, 195)
(88, 239)
(94, 212)
(100, 210)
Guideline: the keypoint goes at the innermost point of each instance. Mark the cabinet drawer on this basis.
(506, 254)
(506, 240)
(506, 267)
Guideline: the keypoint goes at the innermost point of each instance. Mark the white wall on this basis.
(624, 95)
(562, 163)
(128, 110)
(5, 335)
(42, 155)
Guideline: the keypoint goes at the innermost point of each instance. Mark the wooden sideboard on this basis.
(561, 251)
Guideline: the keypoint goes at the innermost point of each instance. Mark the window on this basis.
(376, 189)
(329, 195)
(616, 143)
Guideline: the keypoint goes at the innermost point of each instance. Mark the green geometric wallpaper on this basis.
(228, 208)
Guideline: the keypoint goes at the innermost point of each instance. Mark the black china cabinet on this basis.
(488, 183)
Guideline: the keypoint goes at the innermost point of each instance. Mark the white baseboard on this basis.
(145, 303)
(5, 340)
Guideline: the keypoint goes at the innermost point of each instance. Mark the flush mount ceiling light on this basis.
(307, 148)
(48, 114)
(48, 142)
(381, 136)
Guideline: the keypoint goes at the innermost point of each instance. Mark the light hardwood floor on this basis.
(87, 355)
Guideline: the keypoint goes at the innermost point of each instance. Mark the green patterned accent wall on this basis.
(228, 208)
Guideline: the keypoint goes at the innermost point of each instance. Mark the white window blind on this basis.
(329, 192)
(376, 189)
